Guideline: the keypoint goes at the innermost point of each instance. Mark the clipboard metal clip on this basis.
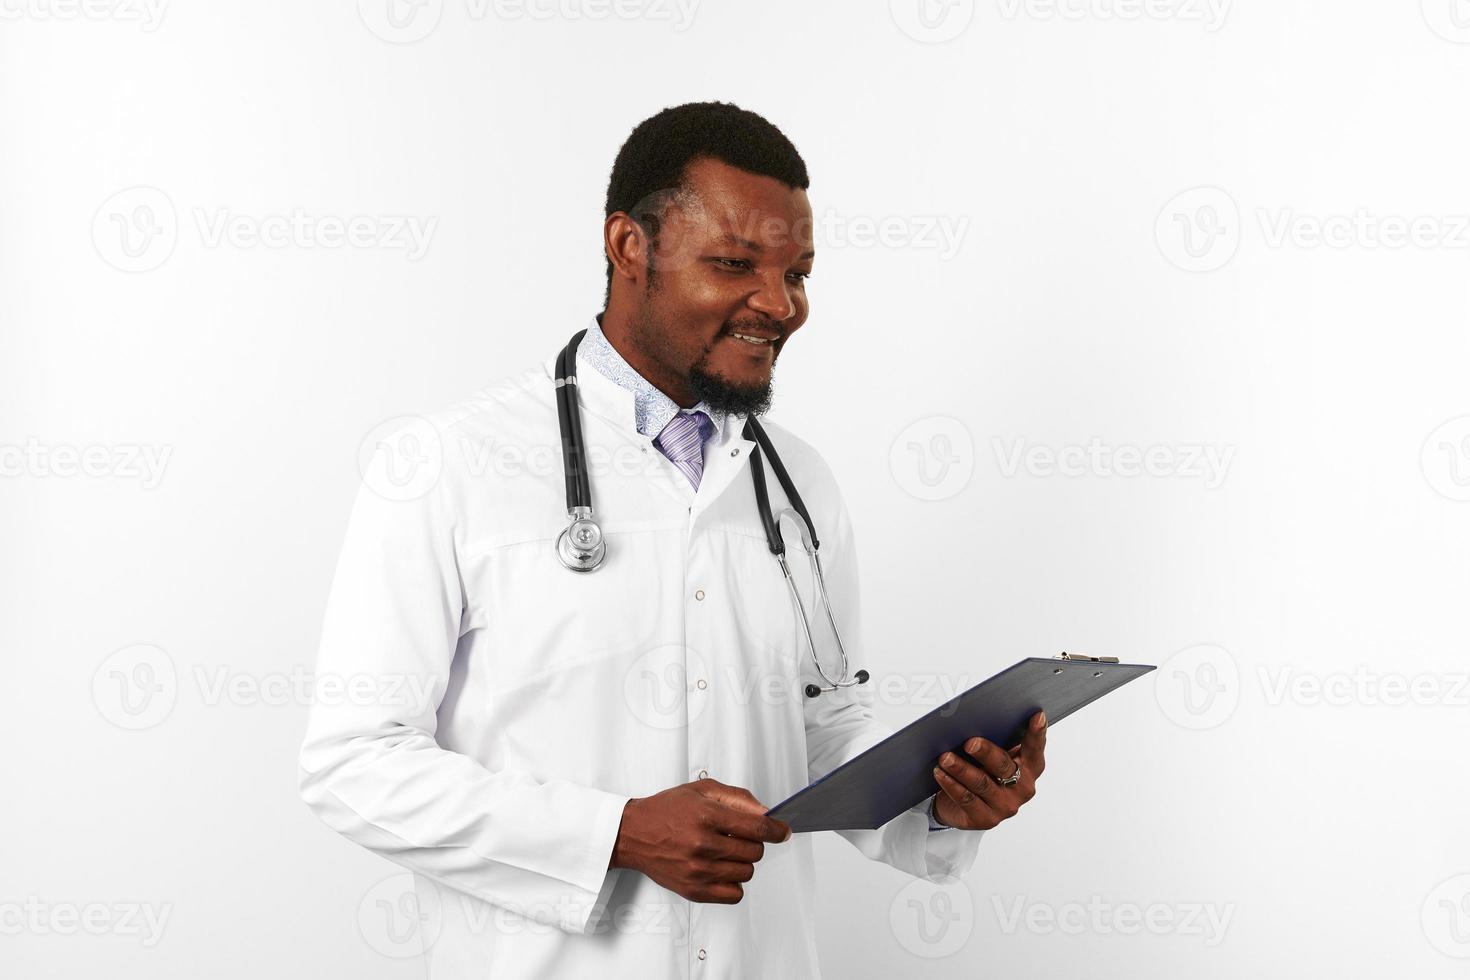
(1084, 657)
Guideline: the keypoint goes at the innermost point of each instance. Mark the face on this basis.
(722, 287)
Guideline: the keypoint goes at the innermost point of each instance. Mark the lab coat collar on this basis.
(600, 395)
(653, 408)
(725, 454)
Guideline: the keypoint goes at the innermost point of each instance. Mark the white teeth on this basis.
(751, 340)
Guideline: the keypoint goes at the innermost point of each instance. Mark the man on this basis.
(582, 790)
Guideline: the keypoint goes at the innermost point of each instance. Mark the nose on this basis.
(775, 298)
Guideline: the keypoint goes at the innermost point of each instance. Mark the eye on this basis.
(799, 276)
(734, 265)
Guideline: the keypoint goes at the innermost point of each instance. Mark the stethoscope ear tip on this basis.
(813, 690)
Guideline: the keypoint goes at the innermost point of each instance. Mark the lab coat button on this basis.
(701, 954)
(699, 594)
(735, 452)
(704, 774)
(701, 684)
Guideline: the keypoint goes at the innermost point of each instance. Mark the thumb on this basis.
(734, 797)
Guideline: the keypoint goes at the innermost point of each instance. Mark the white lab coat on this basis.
(553, 697)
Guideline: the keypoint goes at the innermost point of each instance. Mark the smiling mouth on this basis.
(752, 339)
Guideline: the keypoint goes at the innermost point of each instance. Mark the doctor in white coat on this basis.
(575, 765)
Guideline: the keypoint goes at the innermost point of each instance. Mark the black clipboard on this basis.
(871, 789)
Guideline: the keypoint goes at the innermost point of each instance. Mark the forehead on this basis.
(727, 201)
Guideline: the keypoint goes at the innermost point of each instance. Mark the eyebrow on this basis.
(739, 242)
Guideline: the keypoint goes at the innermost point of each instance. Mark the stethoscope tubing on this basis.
(569, 418)
(579, 506)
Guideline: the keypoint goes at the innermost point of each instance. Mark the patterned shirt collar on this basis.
(652, 408)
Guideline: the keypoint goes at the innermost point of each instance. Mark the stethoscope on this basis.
(582, 546)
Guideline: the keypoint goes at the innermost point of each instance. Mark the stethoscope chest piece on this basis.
(580, 545)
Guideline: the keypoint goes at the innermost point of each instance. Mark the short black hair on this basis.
(656, 155)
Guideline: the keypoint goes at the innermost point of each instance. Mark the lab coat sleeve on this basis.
(370, 766)
(840, 725)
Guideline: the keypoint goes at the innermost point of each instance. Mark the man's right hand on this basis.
(700, 840)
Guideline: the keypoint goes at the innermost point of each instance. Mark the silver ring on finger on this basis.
(1013, 778)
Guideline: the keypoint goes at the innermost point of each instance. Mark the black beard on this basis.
(722, 396)
(649, 334)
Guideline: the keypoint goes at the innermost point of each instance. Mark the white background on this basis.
(1136, 189)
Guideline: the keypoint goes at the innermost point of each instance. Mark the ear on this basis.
(627, 246)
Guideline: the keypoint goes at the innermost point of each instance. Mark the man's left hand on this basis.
(971, 796)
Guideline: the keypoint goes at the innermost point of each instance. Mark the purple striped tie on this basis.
(682, 441)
